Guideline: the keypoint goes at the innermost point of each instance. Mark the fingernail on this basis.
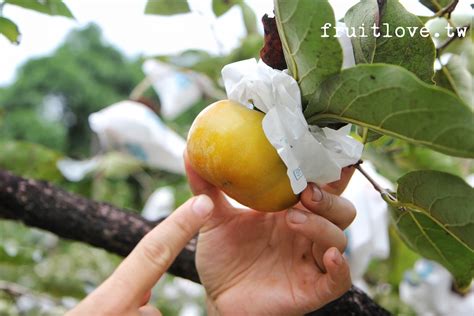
(202, 205)
(317, 194)
(336, 257)
(297, 217)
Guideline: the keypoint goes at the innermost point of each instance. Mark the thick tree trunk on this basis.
(42, 205)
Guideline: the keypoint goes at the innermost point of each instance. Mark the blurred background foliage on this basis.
(44, 117)
(56, 94)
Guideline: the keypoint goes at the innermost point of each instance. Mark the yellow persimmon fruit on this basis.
(228, 148)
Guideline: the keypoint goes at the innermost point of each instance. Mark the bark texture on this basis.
(42, 205)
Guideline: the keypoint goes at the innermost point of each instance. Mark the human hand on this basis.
(127, 290)
(285, 263)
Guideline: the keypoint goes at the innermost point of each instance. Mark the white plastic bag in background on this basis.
(427, 289)
(367, 236)
(178, 91)
(159, 204)
(76, 170)
(346, 45)
(133, 128)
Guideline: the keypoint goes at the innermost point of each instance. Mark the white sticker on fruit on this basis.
(311, 154)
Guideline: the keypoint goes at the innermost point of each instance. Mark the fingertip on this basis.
(337, 268)
(336, 256)
(314, 198)
(202, 205)
(306, 195)
(296, 217)
(146, 298)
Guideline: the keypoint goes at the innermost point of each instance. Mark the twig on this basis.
(385, 193)
(448, 9)
(451, 39)
(140, 89)
(13, 290)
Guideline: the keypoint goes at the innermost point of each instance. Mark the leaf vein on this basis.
(429, 240)
(366, 95)
(402, 112)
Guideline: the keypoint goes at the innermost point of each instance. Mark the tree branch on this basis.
(42, 205)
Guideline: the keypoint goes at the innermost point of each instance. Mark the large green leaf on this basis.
(30, 160)
(435, 217)
(399, 41)
(311, 58)
(167, 7)
(455, 76)
(50, 7)
(10, 30)
(415, 53)
(392, 101)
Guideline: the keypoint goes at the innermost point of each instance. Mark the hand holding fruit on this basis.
(286, 263)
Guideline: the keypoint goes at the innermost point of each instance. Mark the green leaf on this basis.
(50, 7)
(30, 160)
(10, 30)
(118, 165)
(435, 5)
(311, 58)
(222, 6)
(456, 77)
(435, 217)
(250, 19)
(399, 41)
(361, 18)
(424, 19)
(392, 101)
(167, 7)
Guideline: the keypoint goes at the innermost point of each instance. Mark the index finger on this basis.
(153, 255)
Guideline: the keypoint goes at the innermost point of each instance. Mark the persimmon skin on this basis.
(228, 148)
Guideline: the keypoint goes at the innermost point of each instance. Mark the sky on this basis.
(125, 26)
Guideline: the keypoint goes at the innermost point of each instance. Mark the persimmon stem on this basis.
(387, 196)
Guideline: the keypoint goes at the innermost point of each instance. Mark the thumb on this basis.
(197, 184)
(153, 255)
(337, 280)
